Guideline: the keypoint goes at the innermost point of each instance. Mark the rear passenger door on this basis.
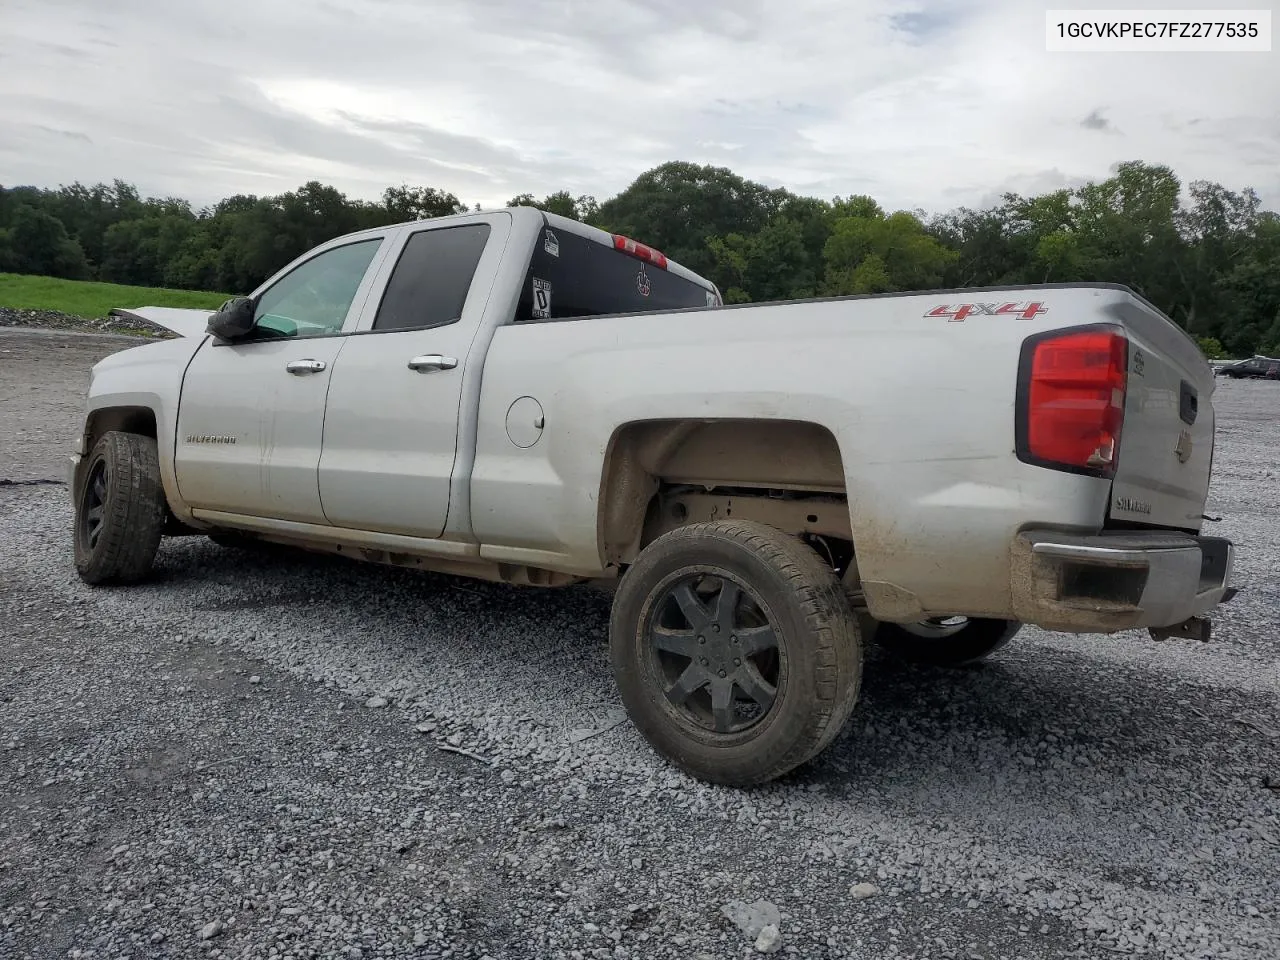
(391, 419)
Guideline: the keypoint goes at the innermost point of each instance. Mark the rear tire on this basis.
(120, 510)
(933, 643)
(735, 650)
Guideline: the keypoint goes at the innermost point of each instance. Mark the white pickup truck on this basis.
(523, 398)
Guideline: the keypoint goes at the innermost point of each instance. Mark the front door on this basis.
(251, 414)
(391, 424)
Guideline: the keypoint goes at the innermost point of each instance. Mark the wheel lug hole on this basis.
(702, 639)
(722, 674)
(737, 662)
(733, 639)
(715, 628)
(703, 660)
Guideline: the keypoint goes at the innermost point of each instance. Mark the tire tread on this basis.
(818, 594)
(134, 514)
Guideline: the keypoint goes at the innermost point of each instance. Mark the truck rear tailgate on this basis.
(1166, 441)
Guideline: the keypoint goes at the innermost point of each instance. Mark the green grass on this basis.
(82, 298)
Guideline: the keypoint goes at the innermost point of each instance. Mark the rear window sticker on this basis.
(541, 298)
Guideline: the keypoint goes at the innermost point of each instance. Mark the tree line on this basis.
(1207, 255)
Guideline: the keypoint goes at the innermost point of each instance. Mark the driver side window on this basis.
(313, 299)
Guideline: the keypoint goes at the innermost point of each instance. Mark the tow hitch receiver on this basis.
(1196, 628)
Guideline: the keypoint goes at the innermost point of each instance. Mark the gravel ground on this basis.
(270, 754)
(43, 377)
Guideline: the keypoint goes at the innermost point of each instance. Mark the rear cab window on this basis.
(571, 275)
(429, 285)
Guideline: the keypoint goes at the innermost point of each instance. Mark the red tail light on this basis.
(1071, 392)
(640, 250)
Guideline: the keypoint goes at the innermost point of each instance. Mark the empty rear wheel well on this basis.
(659, 475)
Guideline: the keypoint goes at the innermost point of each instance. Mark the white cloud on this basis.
(921, 105)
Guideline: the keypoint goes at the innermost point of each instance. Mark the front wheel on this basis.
(735, 650)
(120, 510)
(946, 641)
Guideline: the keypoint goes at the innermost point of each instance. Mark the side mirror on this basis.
(234, 319)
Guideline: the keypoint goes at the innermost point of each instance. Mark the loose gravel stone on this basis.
(751, 918)
(770, 940)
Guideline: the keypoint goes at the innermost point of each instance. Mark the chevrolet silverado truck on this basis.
(523, 398)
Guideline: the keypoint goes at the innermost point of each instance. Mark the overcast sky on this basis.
(922, 105)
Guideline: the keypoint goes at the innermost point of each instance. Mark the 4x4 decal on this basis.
(956, 314)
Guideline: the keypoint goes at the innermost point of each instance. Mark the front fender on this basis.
(125, 388)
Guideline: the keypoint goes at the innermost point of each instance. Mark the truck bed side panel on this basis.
(922, 409)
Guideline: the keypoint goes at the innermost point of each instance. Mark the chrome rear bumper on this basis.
(1100, 584)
